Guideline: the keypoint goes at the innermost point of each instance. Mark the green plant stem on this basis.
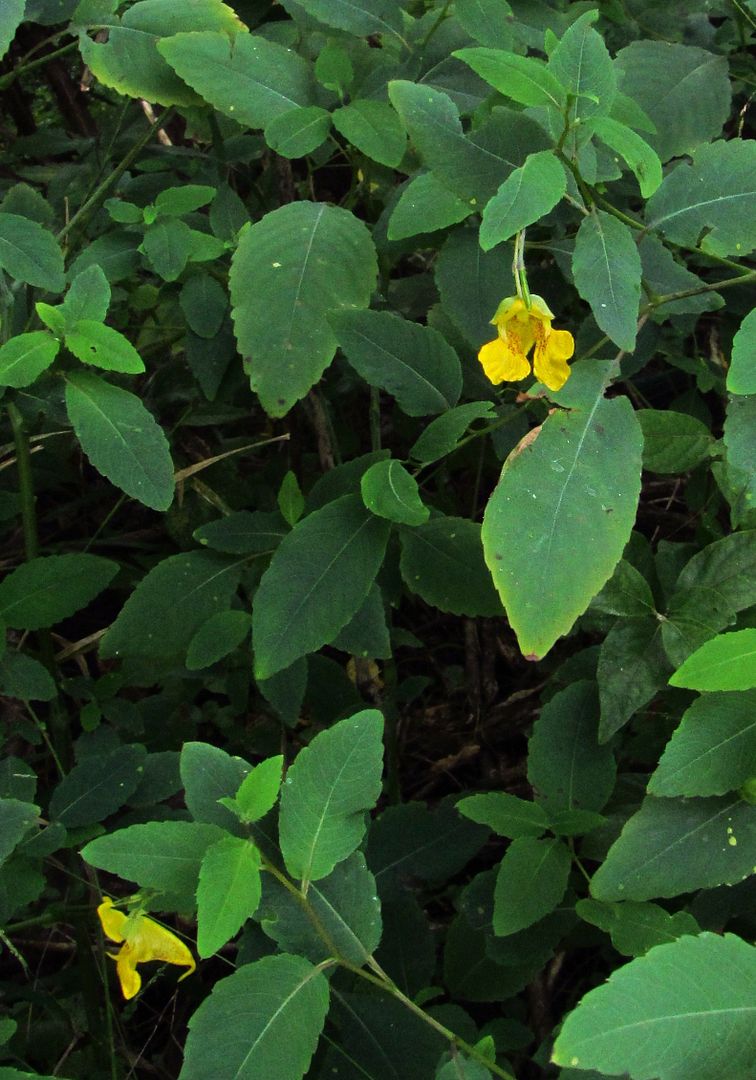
(25, 482)
(113, 177)
(23, 69)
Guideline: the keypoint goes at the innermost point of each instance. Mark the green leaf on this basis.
(52, 317)
(716, 194)
(442, 561)
(259, 790)
(713, 751)
(228, 892)
(10, 20)
(115, 253)
(290, 499)
(359, 17)
(204, 303)
(220, 635)
(25, 357)
(16, 819)
(531, 880)
(264, 1020)
(425, 205)
(670, 1014)
(177, 201)
(333, 68)
(740, 443)
(636, 927)
(639, 156)
(391, 492)
(410, 361)
(683, 89)
(626, 593)
(727, 568)
(244, 532)
(582, 64)
(97, 786)
(130, 60)
(472, 166)
(506, 815)
(366, 634)
(632, 668)
(333, 781)
(486, 21)
(247, 77)
(168, 246)
(672, 846)
(93, 343)
(45, 590)
(663, 274)
(726, 662)
(472, 284)
(161, 855)
(461, 1068)
(30, 253)
(209, 775)
(607, 270)
(374, 128)
(170, 604)
(23, 677)
(316, 581)
(290, 269)
(297, 132)
(442, 435)
(567, 768)
(557, 523)
(88, 296)
(527, 195)
(121, 439)
(673, 441)
(741, 375)
(521, 78)
(345, 906)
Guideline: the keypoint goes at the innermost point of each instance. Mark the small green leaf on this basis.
(333, 68)
(636, 927)
(527, 195)
(204, 303)
(30, 253)
(210, 775)
(297, 132)
(374, 128)
(258, 791)
(333, 781)
(410, 361)
(23, 677)
(228, 892)
(168, 245)
(726, 662)
(670, 1014)
(52, 317)
(632, 668)
(391, 492)
(290, 499)
(45, 590)
(25, 357)
(425, 205)
(220, 635)
(673, 441)
(521, 78)
(443, 434)
(531, 880)
(607, 270)
(121, 439)
(506, 815)
(641, 158)
(93, 343)
(16, 819)
(442, 561)
(244, 532)
(582, 64)
(177, 201)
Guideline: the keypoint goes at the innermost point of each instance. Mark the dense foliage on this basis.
(398, 704)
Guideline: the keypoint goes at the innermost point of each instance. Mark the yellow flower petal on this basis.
(510, 307)
(143, 940)
(128, 976)
(550, 360)
(503, 360)
(113, 921)
(151, 941)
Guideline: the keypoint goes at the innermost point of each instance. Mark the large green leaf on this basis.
(530, 882)
(521, 78)
(360, 17)
(567, 767)
(30, 253)
(472, 284)
(632, 668)
(673, 441)
(228, 891)
(316, 581)
(25, 357)
(45, 590)
(582, 64)
(557, 523)
(93, 343)
(129, 61)
(121, 438)
(473, 166)
(425, 205)
(607, 270)
(713, 751)
(170, 603)
(247, 77)
(715, 193)
(442, 561)
(683, 89)
(16, 819)
(290, 269)
(672, 846)
(333, 781)
(726, 662)
(528, 194)
(487, 21)
(685, 1011)
(162, 855)
(298, 132)
(264, 1020)
(412, 362)
(97, 786)
(741, 375)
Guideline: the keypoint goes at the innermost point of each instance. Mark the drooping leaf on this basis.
(204, 302)
(316, 581)
(556, 525)
(23, 358)
(670, 1014)
(267, 1017)
(726, 662)
(740, 444)
(290, 269)
(472, 284)
(228, 891)
(333, 781)
(45, 590)
(607, 270)
(30, 253)
(582, 64)
(23, 677)
(412, 362)
(121, 438)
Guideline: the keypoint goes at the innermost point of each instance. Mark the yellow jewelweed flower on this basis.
(143, 940)
(520, 328)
